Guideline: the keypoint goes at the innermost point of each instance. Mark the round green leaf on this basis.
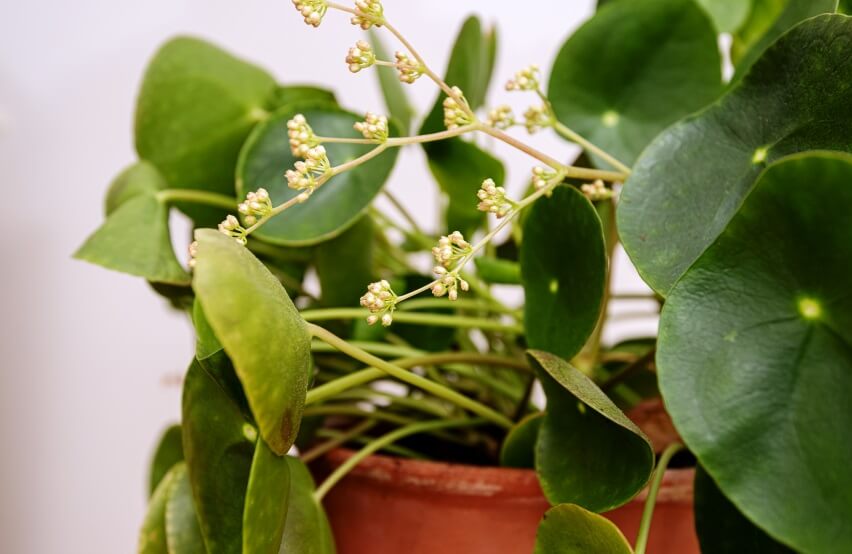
(569, 529)
(139, 178)
(563, 268)
(728, 15)
(795, 98)
(334, 206)
(168, 453)
(196, 107)
(183, 535)
(721, 528)
(307, 530)
(633, 69)
(266, 502)
(152, 537)
(261, 331)
(588, 452)
(518, 448)
(755, 354)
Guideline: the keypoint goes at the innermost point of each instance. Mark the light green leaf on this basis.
(168, 453)
(518, 448)
(588, 452)
(755, 354)
(795, 98)
(261, 331)
(632, 70)
(183, 535)
(195, 109)
(569, 529)
(728, 15)
(344, 264)
(206, 343)
(218, 446)
(266, 502)
(396, 99)
(337, 204)
(307, 530)
(152, 536)
(141, 178)
(563, 267)
(498, 270)
(296, 94)
(135, 239)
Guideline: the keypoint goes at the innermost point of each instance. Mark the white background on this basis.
(90, 358)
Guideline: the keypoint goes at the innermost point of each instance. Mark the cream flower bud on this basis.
(380, 300)
(360, 56)
(596, 191)
(501, 117)
(456, 112)
(368, 13)
(537, 118)
(541, 176)
(492, 199)
(312, 10)
(310, 173)
(374, 127)
(387, 319)
(526, 79)
(408, 67)
(231, 227)
(301, 135)
(449, 250)
(257, 205)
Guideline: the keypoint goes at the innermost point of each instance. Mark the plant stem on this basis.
(193, 196)
(648, 512)
(406, 215)
(389, 448)
(573, 136)
(377, 348)
(415, 318)
(340, 439)
(384, 440)
(633, 367)
(431, 387)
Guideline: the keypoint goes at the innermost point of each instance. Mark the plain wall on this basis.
(91, 359)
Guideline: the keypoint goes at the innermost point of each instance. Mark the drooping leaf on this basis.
(665, 55)
(588, 452)
(152, 536)
(344, 264)
(296, 94)
(261, 331)
(168, 453)
(396, 99)
(307, 530)
(337, 204)
(563, 267)
(518, 448)
(183, 535)
(721, 528)
(195, 109)
(791, 13)
(206, 343)
(218, 456)
(141, 178)
(266, 502)
(755, 354)
(135, 239)
(569, 529)
(795, 98)
(498, 270)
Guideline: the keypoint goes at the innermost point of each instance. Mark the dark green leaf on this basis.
(183, 534)
(569, 529)
(588, 452)
(845, 6)
(396, 99)
(152, 537)
(667, 64)
(755, 354)
(518, 448)
(195, 109)
(296, 94)
(333, 207)
(206, 343)
(135, 239)
(141, 178)
(563, 266)
(721, 528)
(266, 502)
(497, 270)
(307, 530)
(792, 13)
(424, 337)
(261, 331)
(345, 264)
(218, 445)
(795, 98)
(168, 453)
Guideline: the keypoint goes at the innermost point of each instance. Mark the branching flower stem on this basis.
(415, 318)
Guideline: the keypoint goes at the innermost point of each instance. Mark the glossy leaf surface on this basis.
(518, 448)
(569, 529)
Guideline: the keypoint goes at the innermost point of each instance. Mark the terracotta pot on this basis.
(391, 505)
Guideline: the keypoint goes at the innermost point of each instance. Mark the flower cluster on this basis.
(409, 68)
(448, 283)
(525, 79)
(306, 173)
(450, 249)
(360, 56)
(301, 135)
(537, 118)
(257, 205)
(380, 299)
(501, 117)
(456, 113)
(312, 10)
(193, 252)
(374, 127)
(541, 176)
(492, 199)
(231, 227)
(596, 191)
(368, 13)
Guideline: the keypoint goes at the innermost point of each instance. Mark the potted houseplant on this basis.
(731, 196)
